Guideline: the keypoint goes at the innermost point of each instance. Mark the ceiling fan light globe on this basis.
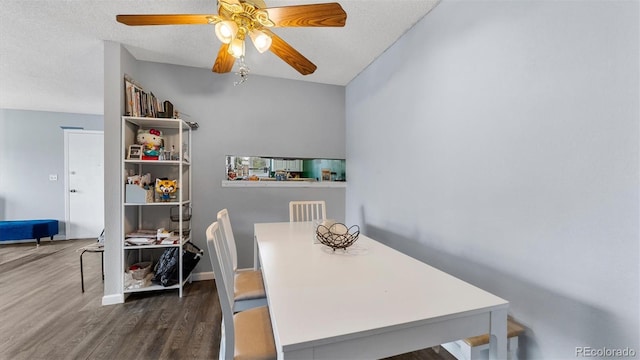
(236, 48)
(226, 31)
(260, 40)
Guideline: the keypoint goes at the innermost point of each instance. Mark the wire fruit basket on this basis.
(337, 235)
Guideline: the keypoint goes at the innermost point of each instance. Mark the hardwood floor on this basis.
(45, 315)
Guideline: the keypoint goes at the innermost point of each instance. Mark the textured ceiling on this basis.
(51, 51)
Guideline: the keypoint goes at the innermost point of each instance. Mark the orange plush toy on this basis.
(165, 188)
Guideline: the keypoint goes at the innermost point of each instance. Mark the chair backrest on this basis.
(224, 283)
(307, 210)
(225, 224)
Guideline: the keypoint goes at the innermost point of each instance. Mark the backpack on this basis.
(166, 269)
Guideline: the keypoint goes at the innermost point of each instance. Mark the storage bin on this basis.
(140, 270)
(134, 194)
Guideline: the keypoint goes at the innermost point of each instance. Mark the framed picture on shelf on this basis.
(135, 152)
(326, 174)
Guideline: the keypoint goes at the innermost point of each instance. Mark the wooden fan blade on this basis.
(224, 61)
(162, 19)
(290, 55)
(328, 14)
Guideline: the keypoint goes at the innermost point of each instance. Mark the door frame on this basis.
(67, 215)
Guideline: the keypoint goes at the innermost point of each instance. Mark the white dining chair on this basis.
(247, 334)
(307, 210)
(248, 286)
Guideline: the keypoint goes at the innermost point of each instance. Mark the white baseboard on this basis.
(202, 276)
(19, 241)
(42, 240)
(112, 299)
(119, 298)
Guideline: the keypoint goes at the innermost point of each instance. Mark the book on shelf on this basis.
(142, 233)
(139, 103)
(136, 241)
(151, 237)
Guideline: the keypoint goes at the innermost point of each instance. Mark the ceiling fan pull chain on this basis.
(243, 72)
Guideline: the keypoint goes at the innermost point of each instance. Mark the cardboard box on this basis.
(134, 194)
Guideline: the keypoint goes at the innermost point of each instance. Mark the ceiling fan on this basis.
(238, 18)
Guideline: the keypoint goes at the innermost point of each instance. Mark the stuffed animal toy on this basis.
(165, 188)
(133, 180)
(151, 141)
(145, 179)
(142, 180)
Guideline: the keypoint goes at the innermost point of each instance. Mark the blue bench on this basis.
(28, 229)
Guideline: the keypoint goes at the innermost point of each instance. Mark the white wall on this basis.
(499, 142)
(31, 149)
(117, 62)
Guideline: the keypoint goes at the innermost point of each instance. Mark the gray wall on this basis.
(31, 149)
(265, 116)
(511, 160)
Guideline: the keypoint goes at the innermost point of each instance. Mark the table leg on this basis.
(498, 335)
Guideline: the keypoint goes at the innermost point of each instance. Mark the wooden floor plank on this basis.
(45, 315)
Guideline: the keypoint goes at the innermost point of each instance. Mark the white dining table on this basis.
(367, 302)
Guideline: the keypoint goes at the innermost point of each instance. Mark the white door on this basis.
(84, 183)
